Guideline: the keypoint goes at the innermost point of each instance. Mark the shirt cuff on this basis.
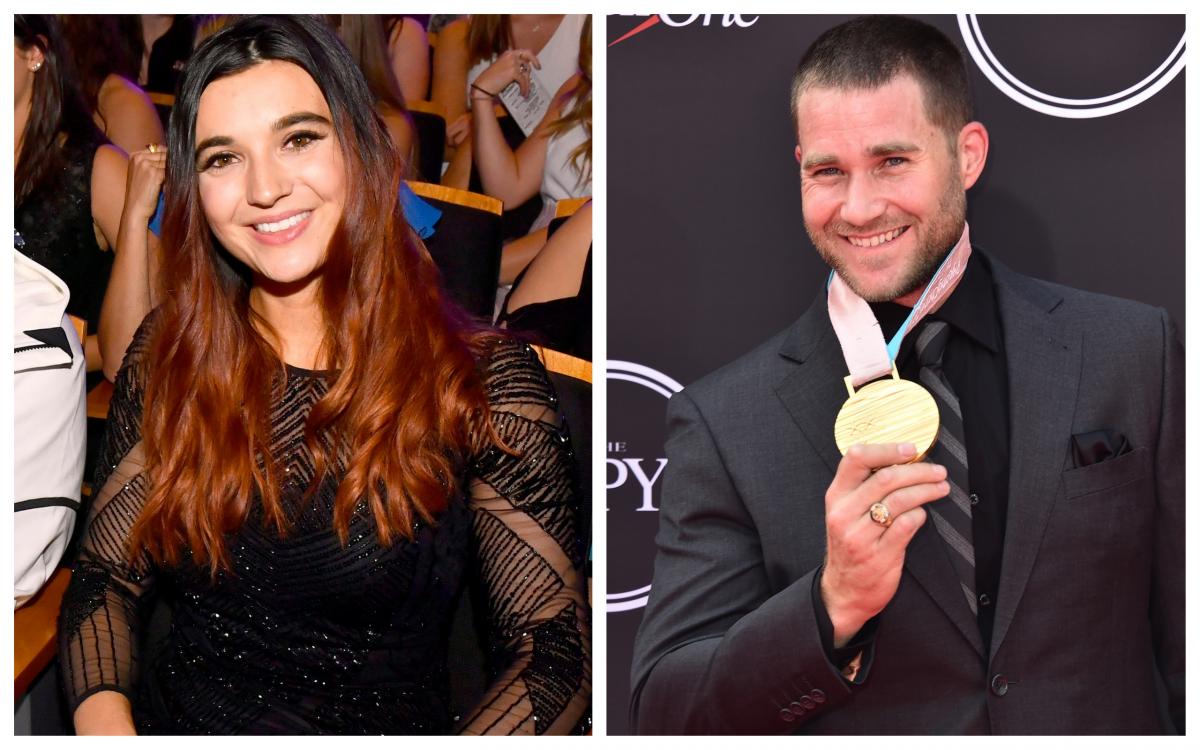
(853, 659)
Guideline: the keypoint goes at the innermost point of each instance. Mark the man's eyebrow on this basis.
(818, 160)
(283, 123)
(894, 147)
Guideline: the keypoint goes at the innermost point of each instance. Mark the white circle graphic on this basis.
(664, 385)
(1058, 106)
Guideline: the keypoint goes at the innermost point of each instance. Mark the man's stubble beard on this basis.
(942, 234)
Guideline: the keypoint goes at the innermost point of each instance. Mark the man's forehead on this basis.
(891, 112)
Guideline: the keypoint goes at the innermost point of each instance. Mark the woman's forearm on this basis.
(497, 164)
(104, 713)
(129, 297)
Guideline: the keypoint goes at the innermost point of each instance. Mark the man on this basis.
(1026, 577)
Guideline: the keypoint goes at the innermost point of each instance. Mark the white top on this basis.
(50, 424)
(560, 177)
(559, 58)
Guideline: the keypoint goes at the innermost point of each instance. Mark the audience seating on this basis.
(429, 121)
(465, 245)
(35, 631)
(568, 206)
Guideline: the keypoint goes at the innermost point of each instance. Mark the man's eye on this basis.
(895, 161)
(827, 172)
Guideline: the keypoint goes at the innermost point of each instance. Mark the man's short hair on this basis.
(869, 52)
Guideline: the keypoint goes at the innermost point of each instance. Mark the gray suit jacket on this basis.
(1090, 610)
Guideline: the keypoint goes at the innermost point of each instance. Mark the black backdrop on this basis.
(707, 252)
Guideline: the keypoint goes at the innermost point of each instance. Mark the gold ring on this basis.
(151, 147)
(880, 514)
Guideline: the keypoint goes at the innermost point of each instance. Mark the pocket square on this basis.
(1098, 445)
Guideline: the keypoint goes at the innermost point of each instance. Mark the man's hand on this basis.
(863, 559)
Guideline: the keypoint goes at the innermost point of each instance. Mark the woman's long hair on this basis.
(577, 104)
(488, 36)
(407, 402)
(57, 108)
(365, 37)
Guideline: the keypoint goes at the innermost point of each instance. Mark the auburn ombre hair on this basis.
(407, 403)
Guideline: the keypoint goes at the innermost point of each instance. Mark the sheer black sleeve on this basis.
(98, 624)
(526, 522)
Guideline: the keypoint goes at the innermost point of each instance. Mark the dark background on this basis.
(707, 251)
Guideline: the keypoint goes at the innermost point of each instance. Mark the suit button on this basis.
(999, 684)
(787, 715)
(797, 709)
(806, 702)
(984, 600)
(817, 695)
(974, 498)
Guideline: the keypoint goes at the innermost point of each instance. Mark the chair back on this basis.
(429, 120)
(465, 245)
(568, 206)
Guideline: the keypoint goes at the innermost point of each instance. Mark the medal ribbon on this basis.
(867, 355)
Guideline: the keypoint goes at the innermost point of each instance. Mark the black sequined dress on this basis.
(308, 636)
(55, 222)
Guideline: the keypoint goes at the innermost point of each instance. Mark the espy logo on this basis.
(727, 20)
(634, 470)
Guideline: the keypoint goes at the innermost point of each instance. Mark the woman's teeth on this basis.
(287, 223)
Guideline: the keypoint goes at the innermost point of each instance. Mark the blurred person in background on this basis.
(106, 80)
(69, 195)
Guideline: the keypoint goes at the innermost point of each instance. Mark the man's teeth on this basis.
(878, 239)
(279, 226)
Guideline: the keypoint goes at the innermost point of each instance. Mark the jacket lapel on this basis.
(814, 392)
(1044, 361)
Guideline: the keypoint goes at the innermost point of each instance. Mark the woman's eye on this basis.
(302, 140)
(218, 161)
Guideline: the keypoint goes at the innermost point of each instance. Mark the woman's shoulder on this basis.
(513, 372)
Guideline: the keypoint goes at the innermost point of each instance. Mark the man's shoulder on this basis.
(751, 374)
(1084, 310)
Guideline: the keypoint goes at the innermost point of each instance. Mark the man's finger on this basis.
(861, 461)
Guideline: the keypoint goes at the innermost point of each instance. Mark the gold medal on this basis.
(890, 410)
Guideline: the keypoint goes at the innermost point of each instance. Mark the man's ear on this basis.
(972, 152)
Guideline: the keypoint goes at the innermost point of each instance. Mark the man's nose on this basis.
(863, 201)
(266, 182)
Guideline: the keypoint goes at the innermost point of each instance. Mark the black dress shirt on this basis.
(975, 365)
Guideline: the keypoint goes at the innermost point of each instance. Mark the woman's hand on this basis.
(514, 65)
(147, 170)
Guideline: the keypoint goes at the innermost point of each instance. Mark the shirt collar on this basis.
(970, 309)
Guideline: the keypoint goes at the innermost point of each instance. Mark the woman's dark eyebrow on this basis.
(282, 123)
(296, 118)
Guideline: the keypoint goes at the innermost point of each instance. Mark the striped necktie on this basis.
(951, 515)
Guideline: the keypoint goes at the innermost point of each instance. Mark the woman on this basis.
(366, 38)
(69, 192)
(312, 452)
(554, 161)
(468, 46)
